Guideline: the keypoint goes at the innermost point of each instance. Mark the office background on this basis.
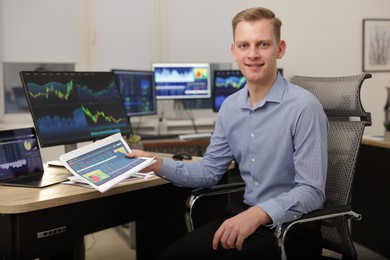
(324, 38)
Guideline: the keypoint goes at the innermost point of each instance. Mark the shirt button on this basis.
(252, 134)
(253, 160)
(256, 183)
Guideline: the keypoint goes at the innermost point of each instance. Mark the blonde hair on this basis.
(255, 14)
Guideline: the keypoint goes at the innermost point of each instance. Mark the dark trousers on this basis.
(301, 243)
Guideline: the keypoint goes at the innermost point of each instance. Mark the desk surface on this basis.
(375, 141)
(15, 200)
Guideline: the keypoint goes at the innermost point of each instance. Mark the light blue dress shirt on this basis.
(280, 146)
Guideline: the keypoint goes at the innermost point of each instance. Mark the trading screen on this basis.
(70, 107)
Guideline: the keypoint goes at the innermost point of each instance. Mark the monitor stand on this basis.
(58, 163)
(178, 112)
(70, 147)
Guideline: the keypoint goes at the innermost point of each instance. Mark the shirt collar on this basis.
(274, 94)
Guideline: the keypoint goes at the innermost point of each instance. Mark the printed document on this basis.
(103, 164)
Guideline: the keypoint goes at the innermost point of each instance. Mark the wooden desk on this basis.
(15, 200)
(376, 142)
(45, 221)
(371, 196)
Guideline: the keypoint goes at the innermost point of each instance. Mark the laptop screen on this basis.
(19, 153)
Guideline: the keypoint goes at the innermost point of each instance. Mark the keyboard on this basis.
(195, 136)
(153, 137)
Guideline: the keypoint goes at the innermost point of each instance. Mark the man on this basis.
(277, 132)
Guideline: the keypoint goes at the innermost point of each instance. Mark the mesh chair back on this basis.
(340, 97)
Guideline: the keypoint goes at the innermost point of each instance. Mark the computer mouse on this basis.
(182, 156)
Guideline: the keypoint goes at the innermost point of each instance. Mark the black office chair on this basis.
(340, 97)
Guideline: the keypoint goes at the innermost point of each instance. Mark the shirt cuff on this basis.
(168, 169)
(274, 210)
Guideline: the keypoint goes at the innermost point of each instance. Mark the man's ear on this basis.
(232, 50)
(282, 49)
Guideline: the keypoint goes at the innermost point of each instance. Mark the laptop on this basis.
(21, 162)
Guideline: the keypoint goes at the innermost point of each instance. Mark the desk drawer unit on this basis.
(59, 231)
(45, 233)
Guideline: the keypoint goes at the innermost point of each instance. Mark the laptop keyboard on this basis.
(28, 180)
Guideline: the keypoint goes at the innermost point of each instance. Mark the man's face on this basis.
(256, 50)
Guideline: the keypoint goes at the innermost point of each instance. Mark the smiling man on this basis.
(277, 132)
(256, 48)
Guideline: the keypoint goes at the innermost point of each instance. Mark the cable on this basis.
(191, 117)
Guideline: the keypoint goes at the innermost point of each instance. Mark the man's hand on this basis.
(155, 167)
(233, 231)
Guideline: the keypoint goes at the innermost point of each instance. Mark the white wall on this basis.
(124, 34)
(324, 38)
(40, 31)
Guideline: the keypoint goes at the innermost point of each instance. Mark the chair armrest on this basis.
(205, 192)
(329, 212)
(215, 190)
(219, 189)
(317, 215)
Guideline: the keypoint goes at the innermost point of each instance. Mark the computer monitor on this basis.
(71, 107)
(225, 83)
(182, 80)
(137, 90)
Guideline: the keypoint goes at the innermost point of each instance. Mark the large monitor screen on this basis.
(72, 107)
(137, 91)
(182, 80)
(225, 83)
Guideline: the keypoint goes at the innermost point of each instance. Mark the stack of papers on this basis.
(103, 164)
(73, 180)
